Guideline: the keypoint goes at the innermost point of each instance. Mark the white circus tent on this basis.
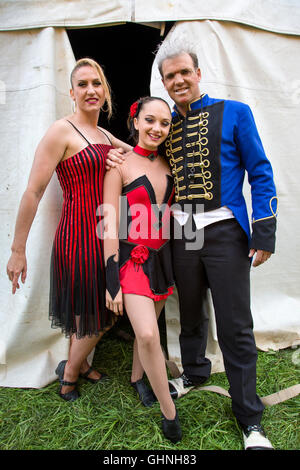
(248, 50)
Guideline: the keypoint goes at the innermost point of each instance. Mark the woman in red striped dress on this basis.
(76, 148)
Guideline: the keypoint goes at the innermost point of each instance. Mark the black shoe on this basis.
(187, 382)
(73, 394)
(171, 428)
(86, 374)
(146, 395)
(255, 437)
(193, 380)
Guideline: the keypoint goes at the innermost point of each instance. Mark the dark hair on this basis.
(135, 111)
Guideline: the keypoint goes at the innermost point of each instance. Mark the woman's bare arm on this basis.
(111, 197)
(48, 154)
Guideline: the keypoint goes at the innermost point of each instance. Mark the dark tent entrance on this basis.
(126, 53)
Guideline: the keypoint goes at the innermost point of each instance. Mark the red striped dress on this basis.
(77, 288)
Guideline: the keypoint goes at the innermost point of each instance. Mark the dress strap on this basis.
(79, 132)
(104, 134)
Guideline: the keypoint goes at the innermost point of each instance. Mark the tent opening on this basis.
(126, 53)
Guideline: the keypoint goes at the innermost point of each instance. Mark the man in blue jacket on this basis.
(212, 143)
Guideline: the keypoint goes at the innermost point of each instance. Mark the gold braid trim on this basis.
(198, 149)
(270, 216)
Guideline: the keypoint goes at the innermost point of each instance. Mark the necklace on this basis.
(151, 154)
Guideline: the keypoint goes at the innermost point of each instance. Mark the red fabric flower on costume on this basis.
(139, 254)
(133, 109)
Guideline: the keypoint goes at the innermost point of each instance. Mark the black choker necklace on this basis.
(151, 154)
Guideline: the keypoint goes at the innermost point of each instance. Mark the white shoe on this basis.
(180, 386)
(255, 438)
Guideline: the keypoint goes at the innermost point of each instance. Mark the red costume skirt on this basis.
(147, 272)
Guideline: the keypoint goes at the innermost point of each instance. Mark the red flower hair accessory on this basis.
(133, 109)
(139, 254)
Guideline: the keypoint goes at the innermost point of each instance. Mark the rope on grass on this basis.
(269, 400)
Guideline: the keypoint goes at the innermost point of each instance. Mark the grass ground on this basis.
(109, 416)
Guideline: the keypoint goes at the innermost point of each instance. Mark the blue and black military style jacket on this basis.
(209, 151)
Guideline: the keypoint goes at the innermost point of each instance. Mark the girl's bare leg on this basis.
(142, 315)
(137, 371)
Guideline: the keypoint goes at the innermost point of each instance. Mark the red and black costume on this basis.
(77, 289)
(145, 266)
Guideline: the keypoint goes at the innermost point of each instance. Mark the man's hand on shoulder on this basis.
(115, 156)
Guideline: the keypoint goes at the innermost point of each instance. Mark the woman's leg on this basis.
(77, 361)
(142, 315)
(137, 371)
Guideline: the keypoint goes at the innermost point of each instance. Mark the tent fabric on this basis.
(35, 67)
(261, 69)
(59, 13)
(237, 61)
(281, 16)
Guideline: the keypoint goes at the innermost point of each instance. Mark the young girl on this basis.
(138, 263)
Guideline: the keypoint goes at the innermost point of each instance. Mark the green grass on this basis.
(108, 416)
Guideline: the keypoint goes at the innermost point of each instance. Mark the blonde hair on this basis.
(86, 61)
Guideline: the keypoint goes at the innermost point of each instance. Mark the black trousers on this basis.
(222, 264)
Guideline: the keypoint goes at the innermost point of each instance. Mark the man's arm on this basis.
(263, 191)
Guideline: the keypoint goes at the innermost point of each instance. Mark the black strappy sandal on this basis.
(86, 374)
(73, 394)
